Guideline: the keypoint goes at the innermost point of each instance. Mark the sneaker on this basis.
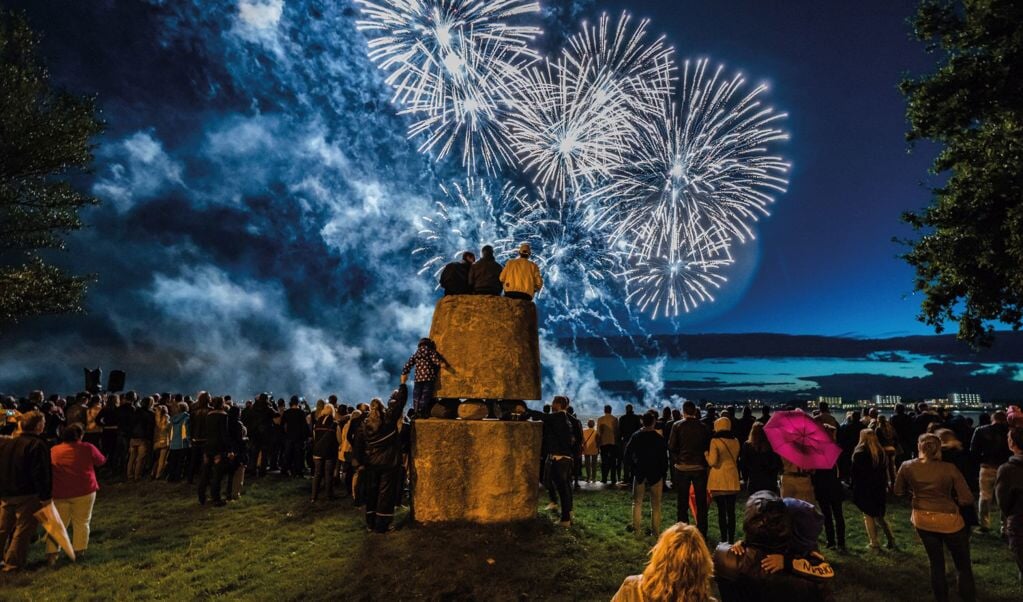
(551, 506)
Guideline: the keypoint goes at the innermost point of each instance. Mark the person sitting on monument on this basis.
(427, 363)
(454, 278)
(520, 276)
(485, 274)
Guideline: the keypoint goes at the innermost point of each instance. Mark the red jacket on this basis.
(74, 469)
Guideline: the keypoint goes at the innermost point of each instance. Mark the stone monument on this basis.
(483, 471)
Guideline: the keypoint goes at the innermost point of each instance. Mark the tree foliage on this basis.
(45, 137)
(968, 253)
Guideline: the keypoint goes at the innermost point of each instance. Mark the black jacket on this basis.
(1009, 487)
(454, 278)
(197, 421)
(485, 277)
(562, 435)
(218, 438)
(143, 424)
(377, 444)
(325, 442)
(295, 426)
(125, 415)
(25, 467)
(628, 424)
(990, 445)
(689, 441)
(647, 455)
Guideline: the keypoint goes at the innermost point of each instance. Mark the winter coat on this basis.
(454, 278)
(25, 467)
(761, 468)
(237, 436)
(647, 455)
(218, 439)
(990, 445)
(1009, 487)
(826, 486)
(143, 425)
(485, 277)
(520, 275)
(869, 484)
(180, 431)
(376, 443)
(722, 457)
(629, 424)
(325, 443)
(689, 443)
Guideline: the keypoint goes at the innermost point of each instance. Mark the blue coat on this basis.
(181, 431)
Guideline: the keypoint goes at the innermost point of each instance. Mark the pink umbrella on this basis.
(797, 437)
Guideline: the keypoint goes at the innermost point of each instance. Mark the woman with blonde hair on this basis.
(938, 489)
(869, 484)
(325, 448)
(161, 441)
(680, 568)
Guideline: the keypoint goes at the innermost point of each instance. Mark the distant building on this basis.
(887, 401)
(834, 402)
(964, 399)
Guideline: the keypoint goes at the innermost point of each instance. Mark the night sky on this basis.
(261, 202)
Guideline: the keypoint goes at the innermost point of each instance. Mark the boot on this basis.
(887, 533)
(871, 526)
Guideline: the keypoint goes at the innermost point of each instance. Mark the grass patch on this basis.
(154, 542)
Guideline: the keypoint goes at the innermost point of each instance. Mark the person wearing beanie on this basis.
(521, 277)
(723, 478)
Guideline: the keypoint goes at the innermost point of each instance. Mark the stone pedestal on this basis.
(476, 471)
(492, 347)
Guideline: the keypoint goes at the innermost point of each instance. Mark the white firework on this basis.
(574, 117)
(448, 62)
(470, 214)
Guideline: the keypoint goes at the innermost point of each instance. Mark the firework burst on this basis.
(448, 62)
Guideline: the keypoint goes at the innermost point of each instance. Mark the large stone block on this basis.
(478, 471)
(492, 347)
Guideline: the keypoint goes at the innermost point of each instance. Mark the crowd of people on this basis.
(943, 462)
(60, 448)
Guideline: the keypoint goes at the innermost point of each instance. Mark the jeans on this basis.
(609, 463)
(160, 462)
(1014, 533)
(518, 295)
(176, 460)
(138, 454)
(958, 545)
(75, 513)
(681, 482)
(639, 489)
(987, 494)
(590, 461)
(422, 396)
(726, 516)
(560, 471)
(18, 523)
(196, 455)
(834, 521)
(294, 460)
(323, 476)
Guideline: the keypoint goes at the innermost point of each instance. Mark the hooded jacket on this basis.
(520, 275)
(376, 443)
(180, 431)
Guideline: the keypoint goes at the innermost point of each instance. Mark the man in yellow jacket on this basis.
(520, 276)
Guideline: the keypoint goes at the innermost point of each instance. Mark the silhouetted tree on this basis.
(44, 138)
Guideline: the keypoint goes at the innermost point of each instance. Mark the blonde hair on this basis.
(929, 447)
(326, 410)
(680, 567)
(870, 443)
(948, 439)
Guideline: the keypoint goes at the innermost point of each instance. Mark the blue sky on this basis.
(261, 201)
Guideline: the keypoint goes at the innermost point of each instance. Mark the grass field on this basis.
(153, 541)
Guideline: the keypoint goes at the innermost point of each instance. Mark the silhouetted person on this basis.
(520, 276)
(628, 424)
(454, 278)
(688, 443)
(485, 274)
(217, 452)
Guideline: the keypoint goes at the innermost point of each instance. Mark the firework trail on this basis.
(448, 62)
(470, 214)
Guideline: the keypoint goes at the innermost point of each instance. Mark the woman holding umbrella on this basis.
(938, 488)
